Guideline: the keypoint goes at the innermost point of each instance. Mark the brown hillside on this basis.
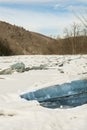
(18, 41)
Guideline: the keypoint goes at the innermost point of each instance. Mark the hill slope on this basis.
(16, 40)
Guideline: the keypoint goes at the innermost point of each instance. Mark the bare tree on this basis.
(83, 19)
(72, 33)
(75, 29)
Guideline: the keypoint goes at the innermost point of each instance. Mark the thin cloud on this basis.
(71, 4)
(42, 1)
(46, 20)
(36, 21)
(28, 1)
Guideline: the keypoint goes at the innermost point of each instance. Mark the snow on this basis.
(20, 114)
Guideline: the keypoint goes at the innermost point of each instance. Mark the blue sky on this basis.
(48, 17)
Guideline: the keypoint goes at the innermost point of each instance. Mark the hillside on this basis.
(16, 40)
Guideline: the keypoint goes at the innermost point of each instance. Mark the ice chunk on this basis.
(68, 94)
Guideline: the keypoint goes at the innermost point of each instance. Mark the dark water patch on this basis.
(66, 95)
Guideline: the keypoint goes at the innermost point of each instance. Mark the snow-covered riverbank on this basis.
(19, 114)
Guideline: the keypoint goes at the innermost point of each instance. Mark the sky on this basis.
(48, 17)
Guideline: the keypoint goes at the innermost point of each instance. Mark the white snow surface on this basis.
(20, 114)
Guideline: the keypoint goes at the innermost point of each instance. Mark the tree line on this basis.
(75, 38)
